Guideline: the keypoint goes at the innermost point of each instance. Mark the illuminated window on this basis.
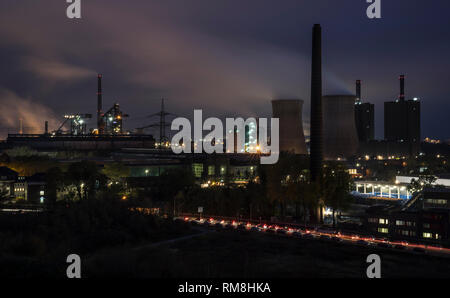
(197, 168)
(410, 224)
(436, 202)
(407, 233)
(427, 235)
(211, 170)
(383, 230)
(399, 222)
(383, 221)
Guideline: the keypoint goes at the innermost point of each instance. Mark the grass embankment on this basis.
(233, 254)
(37, 245)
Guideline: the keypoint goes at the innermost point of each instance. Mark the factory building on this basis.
(83, 143)
(402, 120)
(364, 117)
(402, 128)
(292, 137)
(109, 133)
(339, 128)
(7, 179)
(426, 218)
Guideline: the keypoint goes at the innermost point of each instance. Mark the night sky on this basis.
(227, 57)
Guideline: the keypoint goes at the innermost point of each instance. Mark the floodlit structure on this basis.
(340, 135)
(113, 120)
(292, 137)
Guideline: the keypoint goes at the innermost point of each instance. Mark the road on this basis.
(326, 235)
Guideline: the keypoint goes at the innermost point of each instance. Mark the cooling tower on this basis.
(289, 112)
(340, 135)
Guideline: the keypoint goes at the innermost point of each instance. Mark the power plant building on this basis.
(292, 137)
(339, 128)
(402, 120)
(364, 117)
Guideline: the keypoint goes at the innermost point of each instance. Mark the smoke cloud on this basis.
(56, 71)
(32, 113)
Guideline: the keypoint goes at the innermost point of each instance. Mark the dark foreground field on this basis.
(115, 241)
(233, 254)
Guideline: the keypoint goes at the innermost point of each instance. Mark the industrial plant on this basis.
(342, 180)
(73, 133)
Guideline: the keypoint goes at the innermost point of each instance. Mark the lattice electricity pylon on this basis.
(163, 139)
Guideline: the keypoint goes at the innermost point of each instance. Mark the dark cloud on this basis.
(226, 57)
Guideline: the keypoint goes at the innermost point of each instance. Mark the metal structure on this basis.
(113, 120)
(77, 122)
(340, 136)
(110, 122)
(292, 137)
(358, 91)
(402, 88)
(100, 123)
(163, 140)
(316, 144)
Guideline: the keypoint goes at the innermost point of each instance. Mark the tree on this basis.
(304, 194)
(276, 178)
(21, 152)
(336, 188)
(173, 184)
(86, 178)
(55, 183)
(116, 172)
(424, 181)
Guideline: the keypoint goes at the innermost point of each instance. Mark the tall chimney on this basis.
(99, 105)
(46, 128)
(21, 126)
(358, 91)
(402, 88)
(316, 144)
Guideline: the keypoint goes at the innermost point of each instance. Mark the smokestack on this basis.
(99, 104)
(20, 126)
(402, 88)
(358, 91)
(316, 144)
(46, 128)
